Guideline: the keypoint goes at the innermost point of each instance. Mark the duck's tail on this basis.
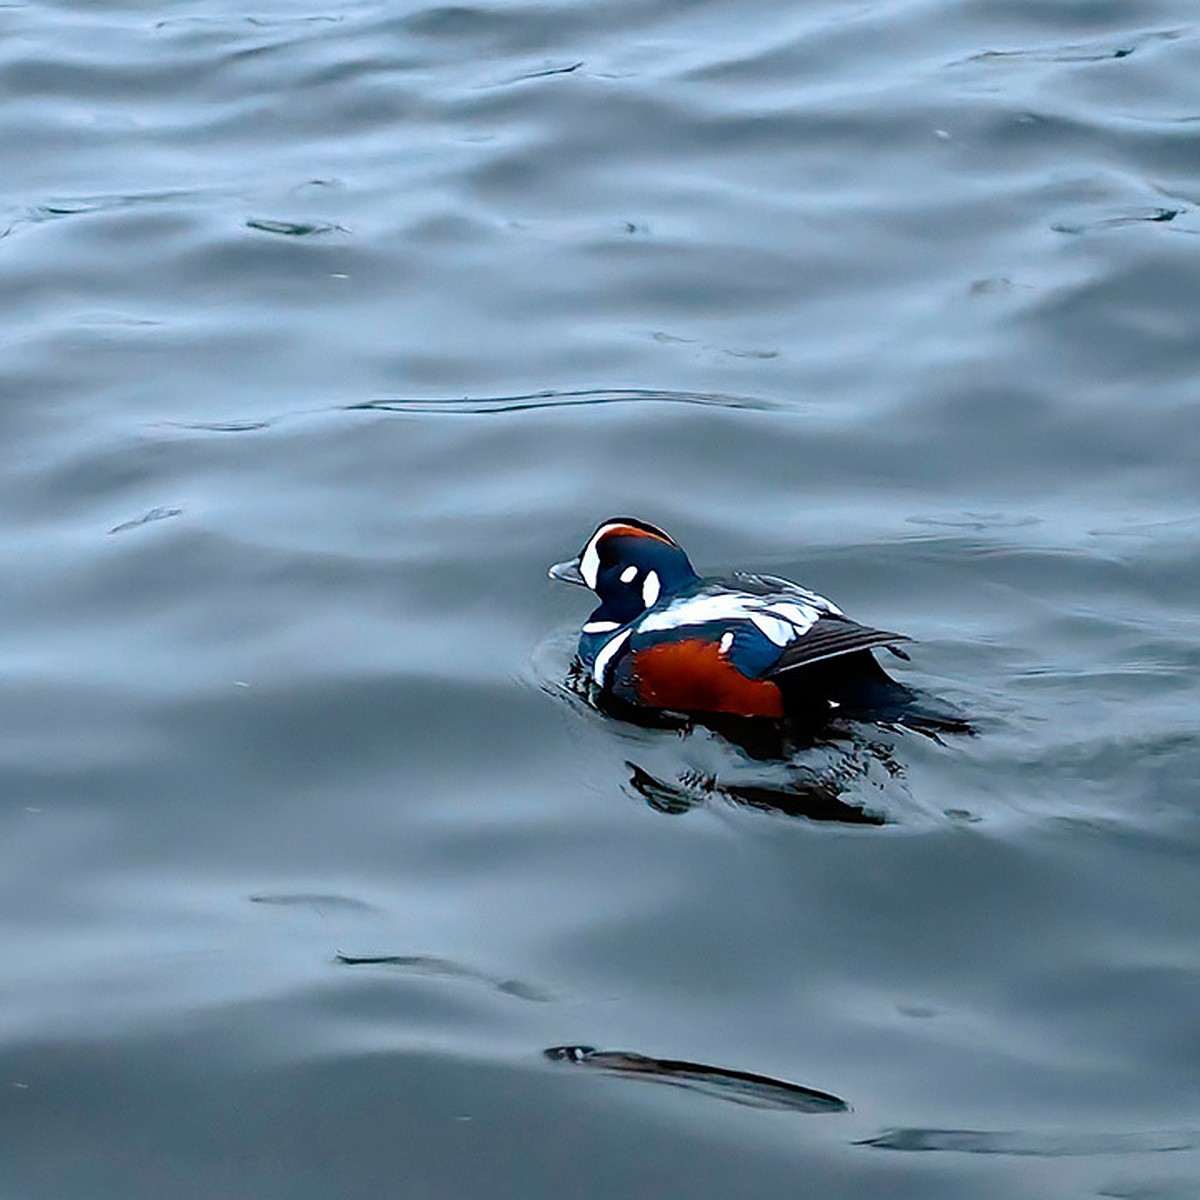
(856, 687)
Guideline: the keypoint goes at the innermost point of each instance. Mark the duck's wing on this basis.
(822, 640)
(831, 636)
(762, 633)
(785, 589)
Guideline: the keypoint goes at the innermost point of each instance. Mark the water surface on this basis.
(325, 331)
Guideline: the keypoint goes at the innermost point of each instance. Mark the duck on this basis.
(665, 639)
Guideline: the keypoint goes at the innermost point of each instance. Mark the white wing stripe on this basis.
(782, 621)
(780, 632)
(800, 615)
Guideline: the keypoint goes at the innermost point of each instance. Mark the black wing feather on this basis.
(831, 637)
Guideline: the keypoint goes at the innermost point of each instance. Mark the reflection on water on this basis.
(819, 774)
(814, 798)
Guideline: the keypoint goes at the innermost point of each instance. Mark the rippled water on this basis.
(325, 331)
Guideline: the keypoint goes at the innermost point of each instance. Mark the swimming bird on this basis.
(664, 639)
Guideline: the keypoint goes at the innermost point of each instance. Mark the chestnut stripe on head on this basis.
(589, 560)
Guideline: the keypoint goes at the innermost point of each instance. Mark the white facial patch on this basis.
(607, 652)
(650, 589)
(726, 642)
(629, 574)
(589, 560)
(589, 563)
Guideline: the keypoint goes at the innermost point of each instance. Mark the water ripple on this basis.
(1034, 1144)
(739, 1087)
(1076, 52)
(293, 228)
(427, 964)
(154, 514)
(488, 406)
(565, 399)
(923, 262)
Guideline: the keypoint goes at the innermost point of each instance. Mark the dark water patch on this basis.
(977, 522)
(1035, 1144)
(112, 320)
(229, 22)
(817, 802)
(293, 228)
(1190, 198)
(317, 901)
(671, 339)
(91, 205)
(546, 73)
(998, 285)
(963, 815)
(425, 964)
(1179, 1189)
(1131, 322)
(247, 426)
(154, 514)
(738, 1087)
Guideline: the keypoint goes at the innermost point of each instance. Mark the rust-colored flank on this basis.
(694, 676)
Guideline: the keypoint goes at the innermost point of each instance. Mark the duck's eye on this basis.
(650, 589)
(629, 574)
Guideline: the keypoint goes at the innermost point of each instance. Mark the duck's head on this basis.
(629, 564)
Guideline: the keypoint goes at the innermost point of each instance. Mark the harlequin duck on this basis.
(747, 646)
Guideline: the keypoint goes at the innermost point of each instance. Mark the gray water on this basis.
(326, 330)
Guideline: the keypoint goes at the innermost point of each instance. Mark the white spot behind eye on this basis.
(629, 574)
(650, 589)
(726, 642)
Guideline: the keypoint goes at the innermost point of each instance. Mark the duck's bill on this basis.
(568, 572)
